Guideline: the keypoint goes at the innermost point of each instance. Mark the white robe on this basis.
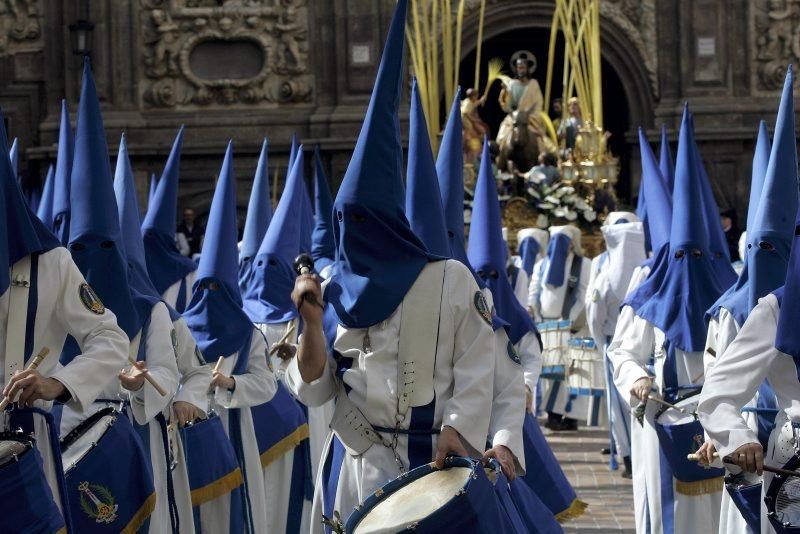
(520, 288)
(734, 380)
(462, 385)
(195, 377)
(549, 303)
(278, 475)
(635, 340)
(170, 295)
(256, 386)
(59, 312)
(722, 330)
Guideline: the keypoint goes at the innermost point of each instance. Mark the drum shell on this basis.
(679, 440)
(210, 460)
(585, 372)
(26, 500)
(474, 509)
(555, 347)
(747, 499)
(117, 471)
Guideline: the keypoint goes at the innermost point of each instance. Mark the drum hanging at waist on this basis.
(680, 434)
(747, 498)
(585, 369)
(26, 500)
(280, 425)
(458, 498)
(782, 500)
(210, 460)
(555, 348)
(108, 474)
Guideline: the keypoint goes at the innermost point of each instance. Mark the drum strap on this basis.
(18, 294)
(572, 286)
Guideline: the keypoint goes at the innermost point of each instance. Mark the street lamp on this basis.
(81, 37)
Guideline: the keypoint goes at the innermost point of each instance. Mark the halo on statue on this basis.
(528, 57)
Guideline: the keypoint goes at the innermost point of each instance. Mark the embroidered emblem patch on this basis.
(483, 307)
(98, 503)
(512, 353)
(90, 299)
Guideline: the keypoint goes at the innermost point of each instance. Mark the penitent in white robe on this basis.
(255, 386)
(657, 504)
(462, 387)
(549, 303)
(59, 312)
(734, 380)
(195, 376)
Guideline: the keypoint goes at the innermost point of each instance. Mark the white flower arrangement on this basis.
(559, 201)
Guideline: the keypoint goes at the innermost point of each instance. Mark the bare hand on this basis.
(186, 412)
(705, 454)
(308, 284)
(449, 444)
(750, 457)
(32, 386)
(641, 388)
(218, 380)
(528, 400)
(503, 455)
(133, 380)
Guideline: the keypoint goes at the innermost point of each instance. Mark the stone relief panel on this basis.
(20, 26)
(199, 53)
(775, 34)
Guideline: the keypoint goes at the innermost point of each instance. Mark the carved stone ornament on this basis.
(198, 53)
(775, 34)
(20, 26)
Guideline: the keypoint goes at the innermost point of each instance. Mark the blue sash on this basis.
(210, 460)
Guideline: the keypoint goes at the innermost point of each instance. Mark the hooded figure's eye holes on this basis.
(494, 275)
(696, 253)
(213, 286)
(481, 273)
(680, 254)
(273, 262)
(765, 245)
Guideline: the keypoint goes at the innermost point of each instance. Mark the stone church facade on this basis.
(255, 68)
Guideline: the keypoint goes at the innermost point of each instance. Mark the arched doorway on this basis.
(513, 25)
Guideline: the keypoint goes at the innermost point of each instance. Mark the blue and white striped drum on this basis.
(458, 498)
(555, 347)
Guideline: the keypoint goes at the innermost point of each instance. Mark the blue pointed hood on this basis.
(371, 281)
(13, 155)
(45, 209)
(21, 233)
(95, 240)
(769, 240)
(450, 171)
(488, 251)
(423, 199)
(61, 186)
(787, 337)
(658, 198)
(259, 209)
(665, 162)
(128, 211)
(214, 314)
(323, 246)
(268, 295)
(683, 283)
(151, 191)
(736, 299)
(165, 264)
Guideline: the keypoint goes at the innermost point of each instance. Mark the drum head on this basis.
(85, 436)
(414, 501)
(12, 446)
(671, 416)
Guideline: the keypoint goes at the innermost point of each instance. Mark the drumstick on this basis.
(282, 340)
(729, 460)
(147, 376)
(665, 403)
(219, 364)
(31, 366)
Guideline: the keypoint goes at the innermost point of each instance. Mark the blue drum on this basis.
(681, 434)
(747, 498)
(555, 348)
(26, 501)
(458, 498)
(210, 460)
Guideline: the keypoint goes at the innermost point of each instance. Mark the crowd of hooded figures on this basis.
(357, 364)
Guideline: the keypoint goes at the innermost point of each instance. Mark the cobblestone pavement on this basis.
(609, 496)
